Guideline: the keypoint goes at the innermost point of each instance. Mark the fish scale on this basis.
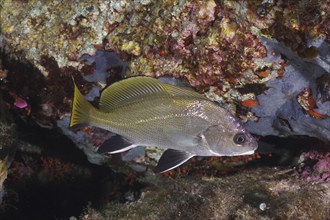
(136, 123)
(144, 111)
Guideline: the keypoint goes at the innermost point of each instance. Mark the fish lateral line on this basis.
(118, 114)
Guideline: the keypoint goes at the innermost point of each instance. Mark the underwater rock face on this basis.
(103, 62)
(279, 110)
(314, 166)
(266, 193)
(267, 62)
(8, 144)
(254, 58)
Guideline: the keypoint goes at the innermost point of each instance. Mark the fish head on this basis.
(229, 138)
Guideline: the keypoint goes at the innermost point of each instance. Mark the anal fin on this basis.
(115, 144)
(172, 159)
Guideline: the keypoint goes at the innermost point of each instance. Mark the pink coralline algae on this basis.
(20, 103)
(315, 166)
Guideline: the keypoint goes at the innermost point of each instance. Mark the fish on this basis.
(143, 111)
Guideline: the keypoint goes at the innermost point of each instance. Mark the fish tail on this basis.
(81, 108)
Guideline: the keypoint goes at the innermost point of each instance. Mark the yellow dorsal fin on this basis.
(135, 89)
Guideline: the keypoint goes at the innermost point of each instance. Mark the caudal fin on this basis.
(81, 109)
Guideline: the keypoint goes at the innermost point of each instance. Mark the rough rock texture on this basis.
(284, 115)
(8, 144)
(267, 62)
(264, 193)
(255, 58)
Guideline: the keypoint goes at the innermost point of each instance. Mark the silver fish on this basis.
(143, 111)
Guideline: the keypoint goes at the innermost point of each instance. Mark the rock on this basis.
(266, 62)
(8, 144)
(237, 196)
(279, 112)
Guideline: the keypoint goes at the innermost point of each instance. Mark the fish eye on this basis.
(239, 138)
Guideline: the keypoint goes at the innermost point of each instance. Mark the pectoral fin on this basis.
(172, 159)
(115, 144)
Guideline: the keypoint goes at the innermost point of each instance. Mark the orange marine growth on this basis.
(317, 115)
(307, 102)
(250, 103)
